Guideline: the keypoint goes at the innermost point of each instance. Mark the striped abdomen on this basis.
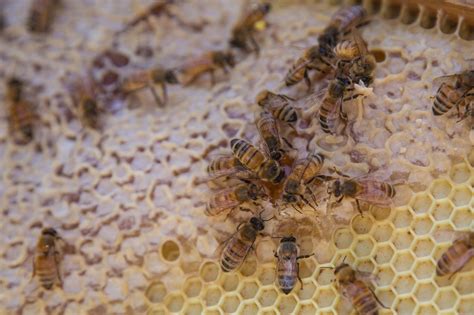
(226, 199)
(247, 154)
(296, 72)
(329, 116)
(454, 258)
(268, 129)
(361, 298)
(347, 18)
(22, 118)
(46, 271)
(287, 270)
(347, 50)
(285, 113)
(236, 250)
(445, 99)
(222, 164)
(375, 192)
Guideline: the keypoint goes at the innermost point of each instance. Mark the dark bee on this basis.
(208, 63)
(456, 91)
(244, 30)
(268, 129)
(362, 298)
(287, 255)
(47, 259)
(41, 15)
(230, 198)
(149, 78)
(22, 116)
(238, 246)
(456, 256)
(254, 160)
(278, 105)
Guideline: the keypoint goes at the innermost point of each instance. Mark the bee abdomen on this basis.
(287, 114)
(294, 76)
(47, 278)
(286, 281)
(326, 119)
(232, 257)
(365, 303)
(447, 262)
(441, 104)
(390, 190)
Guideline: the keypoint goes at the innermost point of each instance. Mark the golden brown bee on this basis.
(278, 105)
(224, 165)
(331, 115)
(361, 296)
(303, 174)
(456, 91)
(268, 129)
(456, 256)
(84, 97)
(347, 18)
(156, 9)
(22, 116)
(254, 160)
(238, 246)
(149, 78)
(361, 188)
(287, 255)
(230, 198)
(244, 29)
(41, 15)
(47, 259)
(208, 63)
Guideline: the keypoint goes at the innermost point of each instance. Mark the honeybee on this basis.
(244, 29)
(304, 172)
(348, 18)
(224, 165)
(458, 89)
(331, 115)
(362, 297)
(288, 254)
(254, 160)
(41, 15)
(47, 259)
(239, 244)
(278, 105)
(362, 188)
(350, 49)
(156, 9)
(316, 57)
(207, 63)
(456, 256)
(149, 78)
(268, 129)
(84, 97)
(22, 116)
(230, 198)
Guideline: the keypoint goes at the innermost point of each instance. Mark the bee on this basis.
(278, 105)
(304, 173)
(348, 18)
(457, 89)
(208, 63)
(331, 115)
(149, 78)
(254, 160)
(243, 31)
(84, 97)
(156, 9)
(362, 297)
(47, 259)
(456, 256)
(230, 198)
(41, 15)
(224, 165)
(316, 57)
(267, 127)
(239, 244)
(372, 191)
(288, 254)
(22, 116)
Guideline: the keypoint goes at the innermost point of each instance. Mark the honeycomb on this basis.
(125, 198)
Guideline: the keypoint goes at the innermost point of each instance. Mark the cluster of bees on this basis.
(270, 171)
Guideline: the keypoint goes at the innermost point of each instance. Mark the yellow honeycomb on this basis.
(125, 199)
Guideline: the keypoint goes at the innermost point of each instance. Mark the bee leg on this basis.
(358, 208)
(296, 209)
(298, 275)
(165, 93)
(307, 80)
(156, 97)
(304, 256)
(377, 299)
(288, 143)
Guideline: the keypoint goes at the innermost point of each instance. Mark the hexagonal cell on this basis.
(460, 173)
(249, 267)
(462, 218)
(230, 282)
(383, 254)
(325, 297)
(250, 308)
(424, 269)
(151, 311)
(402, 240)
(442, 210)
(249, 290)
(423, 247)
(386, 297)
(409, 14)
(267, 297)
(209, 271)
(379, 213)
(267, 276)
(424, 292)
(422, 226)
(427, 310)
(307, 291)
(306, 309)
(404, 284)
(403, 261)
(448, 23)
(464, 284)
(461, 196)
(230, 304)
(363, 247)
(193, 309)
(385, 276)
(343, 238)
(286, 304)
(212, 296)
(403, 218)
(421, 203)
(361, 224)
(156, 292)
(405, 306)
(440, 188)
(192, 287)
(382, 232)
(307, 267)
(465, 305)
(324, 276)
(174, 302)
(445, 299)
(170, 251)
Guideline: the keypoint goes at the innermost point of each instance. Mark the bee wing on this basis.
(450, 79)
(220, 204)
(237, 171)
(361, 44)
(373, 193)
(275, 131)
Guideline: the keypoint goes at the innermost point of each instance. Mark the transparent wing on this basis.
(449, 79)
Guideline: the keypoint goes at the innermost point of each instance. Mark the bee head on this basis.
(170, 77)
(271, 170)
(291, 239)
(15, 87)
(257, 223)
(49, 231)
(276, 155)
(344, 272)
(262, 97)
(255, 191)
